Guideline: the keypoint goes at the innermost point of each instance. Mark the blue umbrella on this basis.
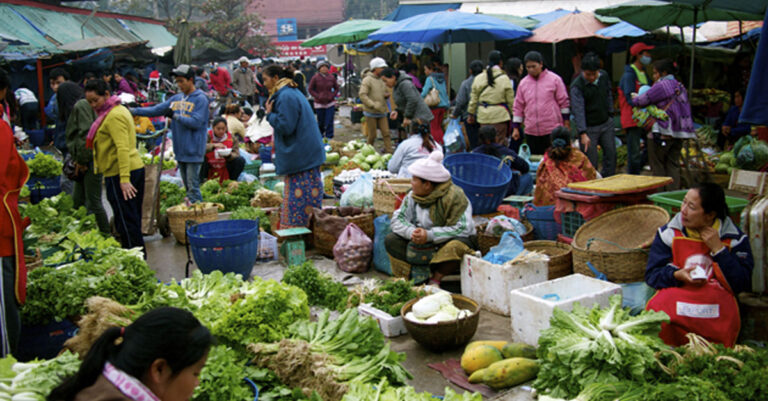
(755, 109)
(546, 18)
(450, 27)
(622, 30)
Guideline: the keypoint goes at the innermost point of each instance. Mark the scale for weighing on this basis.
(293, 247)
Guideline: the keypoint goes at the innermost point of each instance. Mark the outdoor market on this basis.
(479, 200)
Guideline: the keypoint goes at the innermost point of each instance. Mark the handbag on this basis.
(70, 170)
(433, 97)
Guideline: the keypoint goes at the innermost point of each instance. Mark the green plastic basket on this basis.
(672, 200)
(253, 168)
(571, 222)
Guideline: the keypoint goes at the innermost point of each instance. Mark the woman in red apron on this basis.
(698, 263)
(221, 167)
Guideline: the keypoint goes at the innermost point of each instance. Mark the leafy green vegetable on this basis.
(252, 213)
(231, 194)
(687, 388)
(170, 195)
(321, 289)
(168, 164)
(597, 346)
(35, 380)
(223, 377)
(383, 391)
(392, 295)
(44, 165)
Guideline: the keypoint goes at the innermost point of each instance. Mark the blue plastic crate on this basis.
(41, 188)
(44, 341)
(227, 246)
(483, 178)
(543, 220)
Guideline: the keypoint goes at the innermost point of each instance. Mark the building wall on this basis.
(310, 20)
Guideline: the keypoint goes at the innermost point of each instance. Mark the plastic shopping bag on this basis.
(380, 256)
(360, 193)
(509, 247)
(353, 250)
(500, 224)
(453, 140)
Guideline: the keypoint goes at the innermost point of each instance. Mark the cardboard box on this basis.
(750, 182)
(532, 306)
(490, 284)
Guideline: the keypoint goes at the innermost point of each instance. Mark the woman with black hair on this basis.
(492, 98)
(541, 104)
(514, 69)
(732, 129)
(78, 115)
(561, 165)
(522, 181)
(13, 274)
(157, 357)
(436, 79)
(667, 137)
(699, 262)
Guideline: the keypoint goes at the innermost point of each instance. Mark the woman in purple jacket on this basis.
(323, 87)
(666, 137)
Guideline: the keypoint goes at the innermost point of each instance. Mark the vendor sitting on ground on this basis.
(522, 183)
(418, 146)
(434, 223)
(562, 164)
(699, 262)
(219, 166)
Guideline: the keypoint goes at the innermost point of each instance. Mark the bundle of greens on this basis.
(44, 165)
(170, 195)
(222, 378)
(34, 381)
(325, 356)
(687, 388)
(252, 213)
(52, 220)
(383, 391)
(168, 164)
(59, 293)
(320, 288)
(597, 346)
(231, 194)
(75, 246)
(389, 296)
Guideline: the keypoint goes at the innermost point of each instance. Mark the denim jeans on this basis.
(190, 174)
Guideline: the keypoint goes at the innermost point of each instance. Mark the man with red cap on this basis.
(634, 77)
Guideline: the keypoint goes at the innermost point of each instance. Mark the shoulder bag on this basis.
(433, 97)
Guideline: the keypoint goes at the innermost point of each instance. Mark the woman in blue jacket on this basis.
(436, 79)
(298, 147)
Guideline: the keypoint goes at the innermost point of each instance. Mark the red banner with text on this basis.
(294, 49)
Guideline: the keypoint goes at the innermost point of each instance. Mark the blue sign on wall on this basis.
(286, 29)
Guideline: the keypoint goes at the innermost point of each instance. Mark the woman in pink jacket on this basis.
(541, 104)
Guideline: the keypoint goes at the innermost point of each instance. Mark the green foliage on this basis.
(383, 391)
(231, 194)
(320, 288)
(252, 213)
(44, 165)
(222, 376)
(392, 295)
(170, 195)
(597, 346)
(36, 379)
(231, 26)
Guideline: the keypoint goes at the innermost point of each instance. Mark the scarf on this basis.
(281, 83)
(695, 234)
(103, 111)
(127, 384)
(446, 204)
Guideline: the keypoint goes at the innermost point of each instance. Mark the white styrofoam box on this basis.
(750, 182)
(757, 229)
(391, 326)
(531, 311)
(490, 284)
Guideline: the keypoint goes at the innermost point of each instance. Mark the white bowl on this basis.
(223, 152)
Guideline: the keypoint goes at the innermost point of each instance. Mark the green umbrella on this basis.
(346, 32)
(182, 51)
(522, 22)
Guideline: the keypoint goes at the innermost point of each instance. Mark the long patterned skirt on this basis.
(303, 191)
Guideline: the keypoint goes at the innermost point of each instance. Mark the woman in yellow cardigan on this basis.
(113, 140)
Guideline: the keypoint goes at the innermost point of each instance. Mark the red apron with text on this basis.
(710, 310)
(218, 165)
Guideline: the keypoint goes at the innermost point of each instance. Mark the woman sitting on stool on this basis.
(433, 226)
(221, 167)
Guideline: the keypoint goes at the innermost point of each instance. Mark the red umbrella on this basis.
(576, 25)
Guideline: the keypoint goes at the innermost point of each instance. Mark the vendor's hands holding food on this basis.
(419, 236)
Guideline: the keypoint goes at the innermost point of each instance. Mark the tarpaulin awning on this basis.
(653, 14)
(450, 27)
(95, 42)
(574, 25)
(622, 30)
(409, 10)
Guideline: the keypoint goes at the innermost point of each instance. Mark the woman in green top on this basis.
(78, 115)
(113, 140)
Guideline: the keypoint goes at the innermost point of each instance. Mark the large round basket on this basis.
(617, 242)
(483, 178)
(387, 193)
(560, 256)
(201, 213)
(444, 336)
(486, 241)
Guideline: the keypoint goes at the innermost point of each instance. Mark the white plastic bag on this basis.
(453, 139)
(360, 193)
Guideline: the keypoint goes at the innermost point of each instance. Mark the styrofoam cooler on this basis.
(531, 311)
(391, 326)
(490, 284)
(756, 231)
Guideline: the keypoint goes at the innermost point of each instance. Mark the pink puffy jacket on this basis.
(540, 103)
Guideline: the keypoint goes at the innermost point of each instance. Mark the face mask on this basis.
(645, 60)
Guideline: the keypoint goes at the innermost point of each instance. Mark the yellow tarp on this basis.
(621, 183)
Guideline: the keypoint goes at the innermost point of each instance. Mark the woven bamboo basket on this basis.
(486, 241)
(444, 335)
(400, 268)
(178, 218)
(560, 256)
(617, 242)
(324, 241)
(386, 192)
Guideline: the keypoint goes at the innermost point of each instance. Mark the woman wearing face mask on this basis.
(634, 77)
(156, 358)
(541, 104)
(699, 262)
(666, 138)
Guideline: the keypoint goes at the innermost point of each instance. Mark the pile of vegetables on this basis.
(168, 164)
(252, 213)
(231, 194)
(170, 195)
(598, 345)
(57, 293)
(320, 288)
(53, 220)
(388, 296)
(325, 356)
(365, 156)
(748, 153)
(707, 135)
(44, 165)
(383, 391)
(33, 381)
(436, 308)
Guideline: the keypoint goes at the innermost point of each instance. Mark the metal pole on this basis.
(693, 46)
(41, 92)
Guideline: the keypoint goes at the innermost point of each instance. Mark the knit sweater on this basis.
(114, 146)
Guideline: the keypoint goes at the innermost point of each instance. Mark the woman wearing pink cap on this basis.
(433, 226)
